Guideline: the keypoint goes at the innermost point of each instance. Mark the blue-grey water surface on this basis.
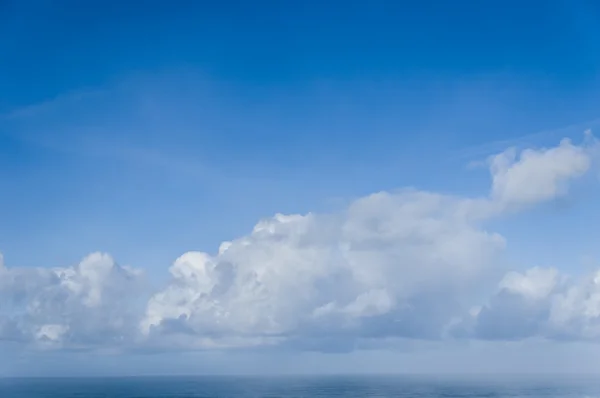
(292, 387)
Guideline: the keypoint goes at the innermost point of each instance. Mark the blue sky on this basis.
(148, 132)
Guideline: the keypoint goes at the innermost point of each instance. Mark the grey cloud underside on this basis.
(538, 303)
(393, 265)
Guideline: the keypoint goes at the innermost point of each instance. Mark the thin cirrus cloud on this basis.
(408, 264)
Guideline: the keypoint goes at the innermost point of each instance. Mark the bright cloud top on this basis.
(405, 264)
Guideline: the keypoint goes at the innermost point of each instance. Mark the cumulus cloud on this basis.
(364, 271)
(540, 303)
(533, 176)
(391, 265)
(89, 304)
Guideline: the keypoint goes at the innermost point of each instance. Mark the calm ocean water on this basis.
(292, 387)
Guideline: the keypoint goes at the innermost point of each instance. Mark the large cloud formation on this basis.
(405, 264)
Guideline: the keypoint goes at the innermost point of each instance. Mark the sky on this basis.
(378, 187)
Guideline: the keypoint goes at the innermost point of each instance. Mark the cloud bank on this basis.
(408, 264)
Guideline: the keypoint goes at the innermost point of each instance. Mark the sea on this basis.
(299, 386)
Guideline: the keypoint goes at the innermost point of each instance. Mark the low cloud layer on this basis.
(539, 302)
(406, 264)
(94, 303)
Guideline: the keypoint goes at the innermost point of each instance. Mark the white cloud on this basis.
(89, 304)
(392, 265)
(538, 303)
(361, 272)
(534, 284)
(538, 175)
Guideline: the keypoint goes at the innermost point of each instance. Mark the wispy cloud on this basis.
(50, 105)
(79, 138)
(478, 153)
